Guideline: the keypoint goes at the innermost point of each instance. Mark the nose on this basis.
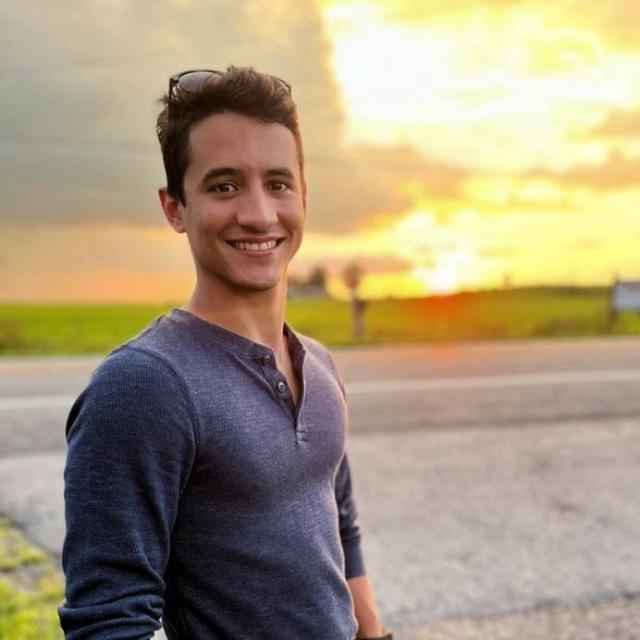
(256, 209)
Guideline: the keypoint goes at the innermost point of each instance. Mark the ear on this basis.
(304, 195)
(173, 210)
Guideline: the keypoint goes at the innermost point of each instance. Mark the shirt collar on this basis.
(230, 340)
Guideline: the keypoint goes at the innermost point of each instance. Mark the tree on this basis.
(352, 276)
(317, 278)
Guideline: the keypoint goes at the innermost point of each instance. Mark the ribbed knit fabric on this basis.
(197, 492)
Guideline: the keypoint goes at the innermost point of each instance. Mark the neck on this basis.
(256, 315)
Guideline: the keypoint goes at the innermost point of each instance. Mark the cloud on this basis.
(428, 10)
(616, 172)
(350, 186)
(82, 79)
(618, 123)
(79, 105)
(618, 21)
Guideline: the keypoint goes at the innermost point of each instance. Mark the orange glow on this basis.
(453, 146)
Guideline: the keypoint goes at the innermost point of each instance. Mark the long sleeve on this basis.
(348, 519)
(131, 446)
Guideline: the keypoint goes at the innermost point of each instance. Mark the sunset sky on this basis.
(450, 145)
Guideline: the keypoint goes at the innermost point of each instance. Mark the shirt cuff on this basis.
(353, 560)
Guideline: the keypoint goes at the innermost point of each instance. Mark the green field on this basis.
(30, 589)
(516, 313)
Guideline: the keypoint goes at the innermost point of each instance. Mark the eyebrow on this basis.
(217, 172)
(283, 171)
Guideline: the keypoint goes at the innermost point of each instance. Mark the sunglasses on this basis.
(194, 78)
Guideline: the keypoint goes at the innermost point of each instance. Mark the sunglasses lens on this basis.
(194, 79)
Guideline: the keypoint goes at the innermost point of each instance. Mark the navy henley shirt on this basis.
(196, 491)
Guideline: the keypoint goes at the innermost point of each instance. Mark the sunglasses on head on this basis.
(194, 78)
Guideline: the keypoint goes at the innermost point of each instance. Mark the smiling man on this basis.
(207, 482)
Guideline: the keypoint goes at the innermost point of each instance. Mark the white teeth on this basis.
(255, 246)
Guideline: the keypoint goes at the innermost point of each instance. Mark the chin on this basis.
(257, 285)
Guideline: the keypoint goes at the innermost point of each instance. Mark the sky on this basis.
(450, 146)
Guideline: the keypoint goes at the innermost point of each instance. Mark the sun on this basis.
(444, 277)
(392, 100)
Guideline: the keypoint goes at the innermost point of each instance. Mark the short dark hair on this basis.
(239, 89)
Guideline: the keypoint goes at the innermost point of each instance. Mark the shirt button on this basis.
(266, 360)
(282, 387)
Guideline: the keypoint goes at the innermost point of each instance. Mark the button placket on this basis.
(301, 430)
(266, 360)
(300, 425)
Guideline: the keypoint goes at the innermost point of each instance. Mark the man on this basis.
(206, 479)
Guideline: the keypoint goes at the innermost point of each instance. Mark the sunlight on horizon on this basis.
(544, 168)
(471, 145)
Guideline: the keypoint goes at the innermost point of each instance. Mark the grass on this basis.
(15, 552)
(516, 313)
(44, 329)
(519, 313)
(31, 589)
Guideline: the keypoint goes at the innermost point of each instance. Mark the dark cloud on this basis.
(618, 123)
(80, 83)
(616, 172)
(348, 188)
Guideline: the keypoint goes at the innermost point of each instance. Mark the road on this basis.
(497, 482)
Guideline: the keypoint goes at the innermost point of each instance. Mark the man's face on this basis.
(245, 202)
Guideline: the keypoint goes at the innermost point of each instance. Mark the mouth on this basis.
(259, 247)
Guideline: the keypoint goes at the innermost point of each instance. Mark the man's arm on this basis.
(131, 447)
(364, 604)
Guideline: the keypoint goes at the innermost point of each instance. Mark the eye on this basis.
(223, 187)
(278, 186)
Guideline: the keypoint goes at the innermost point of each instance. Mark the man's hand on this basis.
(364, 607)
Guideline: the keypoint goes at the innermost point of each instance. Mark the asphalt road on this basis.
(497, 482)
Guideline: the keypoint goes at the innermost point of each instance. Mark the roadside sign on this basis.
(625, 296)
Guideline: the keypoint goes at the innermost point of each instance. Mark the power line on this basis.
(116, 146)
(318, 161)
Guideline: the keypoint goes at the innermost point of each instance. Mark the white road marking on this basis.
(393, 386)
(27, 365)
(36, 402)
(483, 382)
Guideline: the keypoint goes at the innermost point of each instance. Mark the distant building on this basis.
(625, 296)
(306, 291)
(314, 286)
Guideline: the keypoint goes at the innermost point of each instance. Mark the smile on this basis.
(255, 247)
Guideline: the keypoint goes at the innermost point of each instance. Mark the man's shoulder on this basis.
(130, 375)
(159, 336)
(148, 355)
(320, 352)
(163, 339)
(313, 346)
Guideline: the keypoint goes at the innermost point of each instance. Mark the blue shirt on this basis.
(196, 491)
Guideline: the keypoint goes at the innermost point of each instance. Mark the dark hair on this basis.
(239, 89)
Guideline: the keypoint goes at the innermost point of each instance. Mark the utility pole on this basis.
(352, 275)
